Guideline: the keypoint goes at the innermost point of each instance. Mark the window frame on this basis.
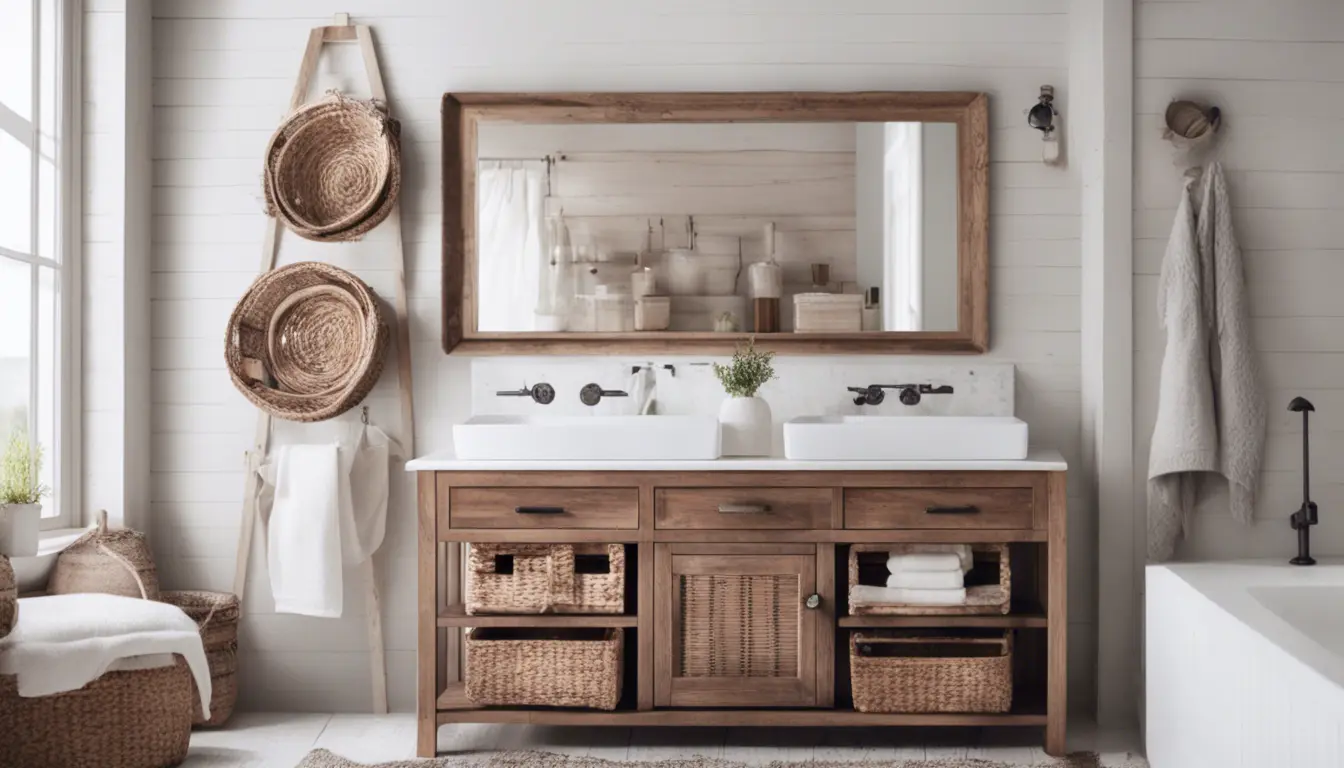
(67, 403)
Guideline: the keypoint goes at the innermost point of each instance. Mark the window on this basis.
(36, 285)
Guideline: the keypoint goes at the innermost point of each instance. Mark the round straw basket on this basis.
(9, 597)
(333, 169)
(112, 562)
(216, 614)
(306, 342)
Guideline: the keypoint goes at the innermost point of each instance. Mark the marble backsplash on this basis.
(804, 386)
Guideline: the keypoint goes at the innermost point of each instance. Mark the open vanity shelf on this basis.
(672, 526)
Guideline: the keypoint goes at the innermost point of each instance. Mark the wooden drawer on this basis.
(742, 508)
(990, 508)
(543, 508)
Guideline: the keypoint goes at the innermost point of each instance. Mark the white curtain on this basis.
(510, 199)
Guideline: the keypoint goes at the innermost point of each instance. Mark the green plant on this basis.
(19, 469)
(748, 372)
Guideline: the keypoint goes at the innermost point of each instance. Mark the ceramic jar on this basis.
(746, 426)
(19, 525)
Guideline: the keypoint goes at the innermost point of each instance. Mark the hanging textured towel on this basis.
(1211, 412)
(303, 542)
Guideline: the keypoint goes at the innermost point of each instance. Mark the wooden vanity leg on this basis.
(1056, 706)
(426, 700)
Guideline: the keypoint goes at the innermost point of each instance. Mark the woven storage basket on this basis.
(131, 719)
(333, 169)
(890, 672)
(544, 667)
(114, 562)
(991, 563)
(9, 597)
(216, 613)
(543, 578)
(306, 342)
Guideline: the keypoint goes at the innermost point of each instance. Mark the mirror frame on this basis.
(462, 113)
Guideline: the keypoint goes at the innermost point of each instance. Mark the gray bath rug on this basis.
(321, 758)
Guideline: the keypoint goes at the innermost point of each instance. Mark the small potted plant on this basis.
(745, 418)
(20, 496)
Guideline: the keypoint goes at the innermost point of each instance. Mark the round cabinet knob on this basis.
(813, 601)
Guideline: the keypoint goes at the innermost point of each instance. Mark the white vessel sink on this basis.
(596, 438)
(905, 438)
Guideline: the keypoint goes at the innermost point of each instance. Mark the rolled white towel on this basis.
(927, 580)
(897, 562)
(924, 561)
(866, 594)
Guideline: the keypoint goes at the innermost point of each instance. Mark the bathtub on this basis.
(1244, 665)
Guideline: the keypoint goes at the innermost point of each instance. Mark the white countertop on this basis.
(1038, 460)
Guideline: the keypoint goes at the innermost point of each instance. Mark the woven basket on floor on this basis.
(543, 578)
(114, 562)
(131, 719)
(333, 169)
(544, 667)
(9, 597)
(991, 560)
(306, 342)
(931, 674)
(216, 613)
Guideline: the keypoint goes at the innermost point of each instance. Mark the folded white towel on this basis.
(924, 561)
(898, 562)
(64, 642)
(866, 594)
(927, 580)
(304, 532)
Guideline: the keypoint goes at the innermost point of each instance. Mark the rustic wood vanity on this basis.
(793, 520)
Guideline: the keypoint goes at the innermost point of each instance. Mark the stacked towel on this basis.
(865, 594)
(934, 575)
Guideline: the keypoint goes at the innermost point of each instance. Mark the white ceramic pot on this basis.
(19, 524)
(746, 426)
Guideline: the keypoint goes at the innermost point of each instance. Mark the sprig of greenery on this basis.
(19, 470)
(748, 372)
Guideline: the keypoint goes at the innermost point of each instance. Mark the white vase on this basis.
(746, 426)
(19, 525)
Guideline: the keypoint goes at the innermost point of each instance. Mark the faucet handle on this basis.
(592, 394)
(542, 394)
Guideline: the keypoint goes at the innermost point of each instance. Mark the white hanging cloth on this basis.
(327, 509)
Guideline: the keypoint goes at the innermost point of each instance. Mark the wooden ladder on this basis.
(340, 31)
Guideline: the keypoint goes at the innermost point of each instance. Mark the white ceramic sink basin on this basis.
(596, 438)
(905, 438)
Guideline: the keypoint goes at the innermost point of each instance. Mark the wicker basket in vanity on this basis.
(544, 667)
(909, 672)
(546, 578)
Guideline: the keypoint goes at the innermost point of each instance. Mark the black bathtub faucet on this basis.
(1305, 517)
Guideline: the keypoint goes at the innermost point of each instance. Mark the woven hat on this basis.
(333, 169)
(306, 342)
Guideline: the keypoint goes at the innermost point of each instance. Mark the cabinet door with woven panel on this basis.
(735, 625)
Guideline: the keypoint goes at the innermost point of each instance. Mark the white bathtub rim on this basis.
(1228, 584)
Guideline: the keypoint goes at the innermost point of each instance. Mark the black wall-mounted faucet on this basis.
(592, 394)
(542, 393)
(874, 394)
(1306, 516)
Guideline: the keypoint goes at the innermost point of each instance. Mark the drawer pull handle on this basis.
(539, 510)
(744, 509)
(966, 510)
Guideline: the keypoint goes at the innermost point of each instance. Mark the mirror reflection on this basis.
(756, 227)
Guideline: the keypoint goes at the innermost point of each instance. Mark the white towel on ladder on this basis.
(303, 539)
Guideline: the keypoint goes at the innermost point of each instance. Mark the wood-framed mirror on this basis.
(614, 223)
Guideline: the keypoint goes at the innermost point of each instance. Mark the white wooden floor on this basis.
(280, 740)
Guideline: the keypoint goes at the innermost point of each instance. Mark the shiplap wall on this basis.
(223, 70)
(1277, 72)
